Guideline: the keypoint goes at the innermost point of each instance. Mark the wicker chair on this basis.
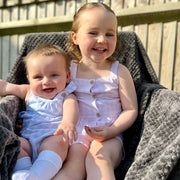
(152, 144)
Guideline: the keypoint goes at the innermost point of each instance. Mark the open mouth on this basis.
(48, 90)
(99, 50)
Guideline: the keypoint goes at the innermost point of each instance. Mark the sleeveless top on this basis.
(99, 100)
(42, 116)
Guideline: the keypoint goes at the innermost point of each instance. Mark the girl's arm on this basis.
(129, 109)
(70, 118)
(128, 102)
(7, 88)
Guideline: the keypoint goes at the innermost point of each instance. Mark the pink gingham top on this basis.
(99, 100)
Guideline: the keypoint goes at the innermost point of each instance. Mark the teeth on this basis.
(100, 49)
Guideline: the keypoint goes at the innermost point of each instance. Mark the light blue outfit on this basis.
(42, 117)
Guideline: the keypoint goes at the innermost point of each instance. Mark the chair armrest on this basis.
(9, 142)
(133, 135)
(9, 108)
(158, 151)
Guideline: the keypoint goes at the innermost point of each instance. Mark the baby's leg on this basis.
(57, 144)
(74, 166)
(24, 157)
(52, 153)
(102, 159)
(25, 148)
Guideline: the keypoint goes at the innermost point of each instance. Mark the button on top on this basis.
(98, 115)
(91, 82)
(63, 94)
(94, 96)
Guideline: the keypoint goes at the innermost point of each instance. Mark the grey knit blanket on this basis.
(152, 144)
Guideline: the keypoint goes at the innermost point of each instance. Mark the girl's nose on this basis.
(101, 39)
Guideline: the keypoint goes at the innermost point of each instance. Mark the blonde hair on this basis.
(47, 49)
(72, 48)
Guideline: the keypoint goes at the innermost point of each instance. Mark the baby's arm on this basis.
(7, 88)
(129, 109)
(70, 118)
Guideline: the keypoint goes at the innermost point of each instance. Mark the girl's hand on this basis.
(100, 133)
(69, 130)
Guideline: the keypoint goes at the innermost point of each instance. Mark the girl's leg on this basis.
(74, 166)
(102, 159)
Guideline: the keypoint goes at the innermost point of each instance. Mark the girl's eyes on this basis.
(96, 33)
(92, 33)
(109, 34)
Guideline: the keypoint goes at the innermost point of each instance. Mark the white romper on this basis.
(99, 102)
(42, 117)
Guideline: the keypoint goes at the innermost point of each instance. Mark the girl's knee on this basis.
(104, 153)
(96, 149)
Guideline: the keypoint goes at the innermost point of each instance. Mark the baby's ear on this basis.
(74, 37)
(27, 77)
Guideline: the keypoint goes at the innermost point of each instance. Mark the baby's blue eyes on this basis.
(38, 77)
(54, 75)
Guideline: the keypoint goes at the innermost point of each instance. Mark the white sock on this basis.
(46, 166)
(23, 164)
(23, 175)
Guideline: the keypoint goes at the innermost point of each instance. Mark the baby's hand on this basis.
(98, 133)
(3, 85)
(69, 131)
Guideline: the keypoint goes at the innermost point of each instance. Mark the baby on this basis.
(49, 122)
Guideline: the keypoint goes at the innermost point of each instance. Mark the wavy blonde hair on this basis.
(72, 48)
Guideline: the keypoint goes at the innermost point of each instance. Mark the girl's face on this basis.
(47, 75)
(97, 34)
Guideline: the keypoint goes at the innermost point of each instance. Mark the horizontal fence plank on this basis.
(36, 25)
(139, 15)
(149, 14)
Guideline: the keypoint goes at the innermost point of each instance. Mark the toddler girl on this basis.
(105, 92)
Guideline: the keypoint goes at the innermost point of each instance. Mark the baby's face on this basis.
(47, 75)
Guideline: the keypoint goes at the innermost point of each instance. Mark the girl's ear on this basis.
(68, 76)
(74, 37)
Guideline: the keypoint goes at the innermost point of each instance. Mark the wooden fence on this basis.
(157, 23)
